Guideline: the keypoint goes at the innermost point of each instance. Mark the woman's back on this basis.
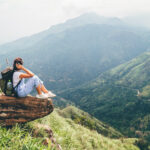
(16, 78)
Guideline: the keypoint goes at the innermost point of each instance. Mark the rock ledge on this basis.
(20, 110)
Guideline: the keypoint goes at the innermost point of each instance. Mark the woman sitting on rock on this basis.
(24, 88)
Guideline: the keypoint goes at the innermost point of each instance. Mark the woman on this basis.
(22, 88)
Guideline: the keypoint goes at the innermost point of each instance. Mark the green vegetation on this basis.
(19, 138)
(84, 119)
(145, 91)
(70, 135)
(75, 53)
(119, 97)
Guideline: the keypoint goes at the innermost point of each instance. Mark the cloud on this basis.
(24, 17)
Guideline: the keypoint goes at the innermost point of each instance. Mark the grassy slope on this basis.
(112, 97)
(84, 119)
(68, 134)
(135, 73)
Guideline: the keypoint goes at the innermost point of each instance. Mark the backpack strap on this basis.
(18, 84)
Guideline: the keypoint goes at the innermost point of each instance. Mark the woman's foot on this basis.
(50, 94)
(41, 96)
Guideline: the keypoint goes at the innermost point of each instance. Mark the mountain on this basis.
(70, 54)
(139, 20)
(88, 18)
(67, 133)
(119, 97)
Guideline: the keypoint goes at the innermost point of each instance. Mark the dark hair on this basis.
(17, 60)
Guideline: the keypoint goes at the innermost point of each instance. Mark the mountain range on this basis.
(99, 64)
(77, 51)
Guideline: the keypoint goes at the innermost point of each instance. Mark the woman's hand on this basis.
(19, 66)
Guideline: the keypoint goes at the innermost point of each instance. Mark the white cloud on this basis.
(24, 17)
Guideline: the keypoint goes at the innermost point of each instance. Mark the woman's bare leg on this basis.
(43, 89)
(50, 94)
(38, 88)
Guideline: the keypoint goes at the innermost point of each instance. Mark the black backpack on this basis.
(7, 76)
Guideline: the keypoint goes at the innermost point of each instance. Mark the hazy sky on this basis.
(19, 18)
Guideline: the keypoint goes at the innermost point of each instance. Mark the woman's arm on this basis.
(28, 73)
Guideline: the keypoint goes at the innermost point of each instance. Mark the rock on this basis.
(20, 110)
(50, 139)
(46, 141)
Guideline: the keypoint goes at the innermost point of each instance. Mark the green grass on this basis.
(70, 135)
(84, 119)
(19, 138)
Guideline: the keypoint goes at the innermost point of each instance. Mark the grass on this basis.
(18, 138)
(70, 135)
(84, 119)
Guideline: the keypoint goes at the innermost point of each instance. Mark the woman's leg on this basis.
(39, 89)
(36, 82)
(43, 89)
(48, 93)
(33, 82)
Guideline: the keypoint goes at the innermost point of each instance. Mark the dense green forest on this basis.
(119, 97)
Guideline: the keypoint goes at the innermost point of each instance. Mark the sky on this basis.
(19, 18)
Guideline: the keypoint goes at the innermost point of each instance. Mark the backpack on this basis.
(6, 82)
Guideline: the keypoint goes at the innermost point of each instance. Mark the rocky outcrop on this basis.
(50, 139)
(20, 110)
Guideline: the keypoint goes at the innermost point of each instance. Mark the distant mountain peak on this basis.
(93, 18)
(84, 19)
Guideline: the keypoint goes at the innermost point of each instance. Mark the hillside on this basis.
(68, 134)
(84, 119)
(119, 97)
(77, 51)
